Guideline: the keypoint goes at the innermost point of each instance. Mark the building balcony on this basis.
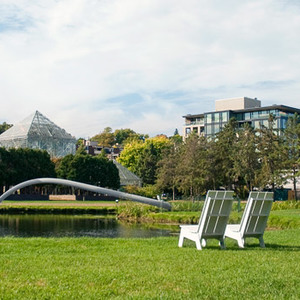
(199, 123)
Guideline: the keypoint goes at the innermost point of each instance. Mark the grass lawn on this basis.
(91, 268)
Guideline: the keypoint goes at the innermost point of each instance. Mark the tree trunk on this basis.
(295, 184)
(191, 193)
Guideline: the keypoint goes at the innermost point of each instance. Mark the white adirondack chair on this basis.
(254, 219)
(212, 222)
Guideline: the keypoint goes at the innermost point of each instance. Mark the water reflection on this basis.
(77, 226)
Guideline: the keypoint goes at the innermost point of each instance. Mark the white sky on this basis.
(143, 64)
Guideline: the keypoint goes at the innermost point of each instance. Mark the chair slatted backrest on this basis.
(257, 210)
(215, 213)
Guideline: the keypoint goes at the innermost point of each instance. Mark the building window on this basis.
(217, 128)
(265, 123)
(256, 124)
(239, 116)
(187, 130)
(282, 124)
(263, 114)
(208, 118)
(217, 117)
(208, 129)
(224, 116)
(255, 115)
(195, 129)
(247, 116)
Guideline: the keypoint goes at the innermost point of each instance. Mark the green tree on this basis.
(166, 172)
(147, 163)
(123, 134)
(271, 156)
(167, 168)
(5, 168)
(80, 142)
(4, 126)
(223, 153)
(94, 170)
(142, 157)
(106, 138)
(129, 156)
(192, 169)
(245, 160)
(64, 167)
(291, 142)
(18, 165)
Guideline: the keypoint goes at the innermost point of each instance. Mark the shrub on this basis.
(187, 205)
(134, 211)
(283, 205)
(150, 191)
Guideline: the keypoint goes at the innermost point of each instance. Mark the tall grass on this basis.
(282, 205)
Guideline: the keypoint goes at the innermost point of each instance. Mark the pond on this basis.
(78, 226)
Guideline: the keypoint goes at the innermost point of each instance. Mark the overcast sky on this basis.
(143, 64)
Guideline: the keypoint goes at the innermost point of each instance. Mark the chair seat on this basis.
(189, 227)
(233, 227)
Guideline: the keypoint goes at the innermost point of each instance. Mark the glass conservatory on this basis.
(38, 132)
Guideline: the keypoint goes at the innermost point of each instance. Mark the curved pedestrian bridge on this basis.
(87, 187)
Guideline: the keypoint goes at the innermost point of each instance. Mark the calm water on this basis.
(77, 226)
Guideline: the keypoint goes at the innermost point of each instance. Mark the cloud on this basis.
(143, 64)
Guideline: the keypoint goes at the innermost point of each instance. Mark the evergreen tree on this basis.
(192, 170)
(291, 140)
(271, 157)
(245, 160)
(95, 170)
(168, 167)
(224, 155)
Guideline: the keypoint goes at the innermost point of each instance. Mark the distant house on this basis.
(38, 132)
(243, 109)
(93, 148)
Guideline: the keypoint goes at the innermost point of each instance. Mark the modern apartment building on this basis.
(243, 109)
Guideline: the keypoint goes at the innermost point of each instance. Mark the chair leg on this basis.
(198, 244)
(241, 242)
(261, 242)
(181, 238)
(203, 242)
(222, 244)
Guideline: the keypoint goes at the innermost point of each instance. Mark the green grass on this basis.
(88, 268)
(73, 202)
(58, 207)
(284, 219)
(281, 219)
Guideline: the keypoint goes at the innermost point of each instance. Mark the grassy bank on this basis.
(286, 219)
(88, 268)
(58, 207)
(284, 215)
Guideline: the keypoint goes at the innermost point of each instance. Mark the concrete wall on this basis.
(236, 103)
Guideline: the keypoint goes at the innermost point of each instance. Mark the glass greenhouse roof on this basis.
(38, 132)
(126, 176)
